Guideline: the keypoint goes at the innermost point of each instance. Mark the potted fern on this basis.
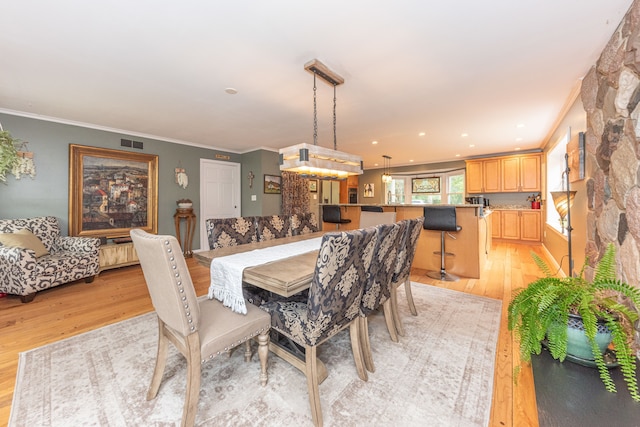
(542, 312)
(8, 154)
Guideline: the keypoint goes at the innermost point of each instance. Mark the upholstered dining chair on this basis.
(199, 328)
(304, 223)
(333, 303)
(377, 290)
(402, 273)
(225, 232)
(272, 227)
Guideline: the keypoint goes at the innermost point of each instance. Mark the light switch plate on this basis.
(254, 197)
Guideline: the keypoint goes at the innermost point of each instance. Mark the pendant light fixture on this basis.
(386, 176)
(311, 160)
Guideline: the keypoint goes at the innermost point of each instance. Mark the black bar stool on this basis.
(332, 214)
(442, 219)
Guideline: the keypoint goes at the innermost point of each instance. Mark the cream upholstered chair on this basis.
(333, 303)
(377, 290)
(199, 328)
(406, 253)
(369, 219)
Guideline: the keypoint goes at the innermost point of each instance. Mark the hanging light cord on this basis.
(315, 112)
(335, 139)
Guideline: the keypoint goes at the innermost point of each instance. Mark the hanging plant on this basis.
(9, 157)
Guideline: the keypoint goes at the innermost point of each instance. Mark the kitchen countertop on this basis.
(402, 205)
(526, 207)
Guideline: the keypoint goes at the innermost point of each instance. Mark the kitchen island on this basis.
(470, 247)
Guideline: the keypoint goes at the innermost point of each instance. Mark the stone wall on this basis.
(611, 98)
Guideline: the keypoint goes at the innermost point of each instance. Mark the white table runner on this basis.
(226, 272)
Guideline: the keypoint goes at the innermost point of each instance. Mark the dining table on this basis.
(287, 275)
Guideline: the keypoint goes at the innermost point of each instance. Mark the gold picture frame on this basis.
(111, 192)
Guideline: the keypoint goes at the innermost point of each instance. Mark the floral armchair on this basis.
(30, 264)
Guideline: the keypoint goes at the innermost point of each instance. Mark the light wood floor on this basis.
(119, 294)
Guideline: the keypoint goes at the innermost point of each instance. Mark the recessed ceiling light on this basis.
(422, 134)
(518, 139)
(517, 148)
(472, 145)
(411, 161)
(231, 91)
(464, 135)
(375, 164)
(520, 125)
(457, 155)
(374, 143)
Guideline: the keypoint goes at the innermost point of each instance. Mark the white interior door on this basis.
(219, 193)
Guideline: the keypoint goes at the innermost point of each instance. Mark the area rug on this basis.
(439, 374)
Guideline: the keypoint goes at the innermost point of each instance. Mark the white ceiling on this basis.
(159, 68)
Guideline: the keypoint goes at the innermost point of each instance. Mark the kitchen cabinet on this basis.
(350, 183)
(496, 225)
(521, 173)
(524, 225)
(483, 176)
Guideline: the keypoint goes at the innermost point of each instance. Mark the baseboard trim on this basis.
(552, 261)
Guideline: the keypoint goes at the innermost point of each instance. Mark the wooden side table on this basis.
(190, 218)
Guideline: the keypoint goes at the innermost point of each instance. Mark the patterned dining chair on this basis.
(402, 273)
(333, 304)
(377, 290)
(200, 328)
(225, 232)
(272, 227)
(304, 223)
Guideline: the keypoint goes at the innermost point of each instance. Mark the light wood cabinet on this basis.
(531, 226)
(523, 225)
(496, 225)
(117, 255)
(483, 176)
(345, 185)
(521, 173)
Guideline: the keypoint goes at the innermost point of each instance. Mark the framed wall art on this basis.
(111, 192)
(272, 184)
(425, 185)
(313, 185)
(368, 190)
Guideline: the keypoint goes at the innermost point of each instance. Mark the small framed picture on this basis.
(272, 184)
(368, 190)
(313, 185)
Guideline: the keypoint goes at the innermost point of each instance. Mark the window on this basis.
(555, 168)
(395, 190)
(451, 190)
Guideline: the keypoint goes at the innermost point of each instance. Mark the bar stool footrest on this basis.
(444, 277)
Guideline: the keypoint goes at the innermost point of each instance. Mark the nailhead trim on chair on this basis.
(226, 349)
(174, 267)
